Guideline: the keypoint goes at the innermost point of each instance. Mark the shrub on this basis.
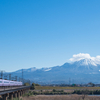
(26, 84)
(33, 86)
(54, 90)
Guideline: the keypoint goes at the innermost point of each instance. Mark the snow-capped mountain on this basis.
(86, 62)
(84, 70)
(86, 59)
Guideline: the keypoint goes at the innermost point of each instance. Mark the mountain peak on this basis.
(85, 59)
(87, 62)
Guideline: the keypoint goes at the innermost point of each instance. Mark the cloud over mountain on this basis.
(86, 56)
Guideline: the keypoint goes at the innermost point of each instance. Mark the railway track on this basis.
(11, 88)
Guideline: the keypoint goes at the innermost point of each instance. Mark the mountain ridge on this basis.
(83, 70)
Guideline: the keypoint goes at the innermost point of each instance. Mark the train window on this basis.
(6, 82)
(0, 81)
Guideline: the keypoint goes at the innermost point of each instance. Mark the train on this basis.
(8, 83)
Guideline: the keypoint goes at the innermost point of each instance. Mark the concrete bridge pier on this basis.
(22, 92)
(11, 96)
(25, 91)
(15, 94)
(18, 94)
(5, 96)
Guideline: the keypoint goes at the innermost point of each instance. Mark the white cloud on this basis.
(80, 56)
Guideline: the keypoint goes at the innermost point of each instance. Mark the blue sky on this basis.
(46, 33)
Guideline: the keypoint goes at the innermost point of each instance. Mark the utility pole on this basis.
(73, 81)
(12, 78)
(5, 76)
(29, 82)
(9, 76)
(1, 74)
(69, 81)
(22, 77)
(19, 79)
(15, 78)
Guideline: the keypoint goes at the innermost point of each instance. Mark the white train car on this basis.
(4, 83)
(11, 83)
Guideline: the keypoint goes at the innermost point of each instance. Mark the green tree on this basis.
(33, 86)
(91, 84)
(26, 84)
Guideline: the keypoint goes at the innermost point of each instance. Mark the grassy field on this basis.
(44, 94)
(61, 97)
(62, 88)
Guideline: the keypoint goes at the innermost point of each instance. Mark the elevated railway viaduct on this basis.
(15, 92)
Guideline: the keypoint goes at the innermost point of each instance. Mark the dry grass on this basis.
(61, 97)
(69, 88)
(68, 91)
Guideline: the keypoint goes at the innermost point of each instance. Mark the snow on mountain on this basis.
(89, 62)
(85, 62)
(47, 69)
(33, 69)
(86, 59)
(27, 70)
